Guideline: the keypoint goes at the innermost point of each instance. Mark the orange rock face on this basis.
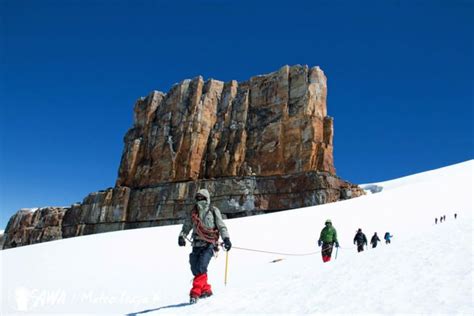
(274, 124)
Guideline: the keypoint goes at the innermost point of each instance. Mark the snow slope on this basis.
(426, 269)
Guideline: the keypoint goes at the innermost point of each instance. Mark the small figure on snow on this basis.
(441, 219)
(374, 240)
(436, 220)
(360, 240)
(327, 240)
(387, 237)
(455, 215)
(206, 222)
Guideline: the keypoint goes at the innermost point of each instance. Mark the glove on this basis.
(227, 244)
(181, 241)
(320, 243)
(337, 244)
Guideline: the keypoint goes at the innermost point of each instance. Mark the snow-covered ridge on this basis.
(144, 270)
(464, 167)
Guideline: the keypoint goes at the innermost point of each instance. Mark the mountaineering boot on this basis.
(193, 300)
(206, 294)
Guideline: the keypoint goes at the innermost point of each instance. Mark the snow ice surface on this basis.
(427, 269)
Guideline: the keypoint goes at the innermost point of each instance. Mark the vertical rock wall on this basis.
(274, 124)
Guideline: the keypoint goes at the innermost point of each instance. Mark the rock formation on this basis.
(270, 125)
(30, 226)
(259, 146)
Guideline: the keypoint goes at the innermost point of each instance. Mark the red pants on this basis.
(326, 251)
(200, 285)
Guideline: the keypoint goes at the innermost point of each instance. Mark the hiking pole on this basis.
(226, 267)
(337, 249)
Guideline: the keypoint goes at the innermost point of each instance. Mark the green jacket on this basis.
(211, 218)
(328, 234)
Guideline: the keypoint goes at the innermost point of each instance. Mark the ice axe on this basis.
(226, 267)
(226, 264)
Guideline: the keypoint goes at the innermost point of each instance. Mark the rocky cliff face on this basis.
(33, 226)
(274, 124)
(262, 145)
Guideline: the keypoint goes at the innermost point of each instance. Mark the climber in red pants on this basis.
(206, 222)
(327, 240)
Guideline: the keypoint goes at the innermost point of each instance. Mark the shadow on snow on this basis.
(157, 309)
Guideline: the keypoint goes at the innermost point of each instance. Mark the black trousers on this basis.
(360, 247)
(200, 257)
(326, 249)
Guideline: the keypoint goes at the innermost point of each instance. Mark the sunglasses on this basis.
(200, 198)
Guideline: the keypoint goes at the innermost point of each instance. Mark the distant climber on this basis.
(374, 240)
(327, 239)
(436, 220)
(206, 222)
(387, 237)
(441, 219)
(455, 215)
(360, 240)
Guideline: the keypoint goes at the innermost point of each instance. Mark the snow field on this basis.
(427, 268)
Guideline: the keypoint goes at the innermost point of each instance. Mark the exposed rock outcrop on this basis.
(259, 146)
(274, 124)
(33, 226)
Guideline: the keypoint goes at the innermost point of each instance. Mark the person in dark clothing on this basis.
(374, 240)
(327, 239)
(455, 215)
(205, 220)
(436, 220)
(387, 237)
(360, 240)
(441, 219)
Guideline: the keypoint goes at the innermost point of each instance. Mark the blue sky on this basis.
(400, 80)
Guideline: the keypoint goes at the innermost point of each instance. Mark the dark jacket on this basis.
(360, 238)
(374, 239)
